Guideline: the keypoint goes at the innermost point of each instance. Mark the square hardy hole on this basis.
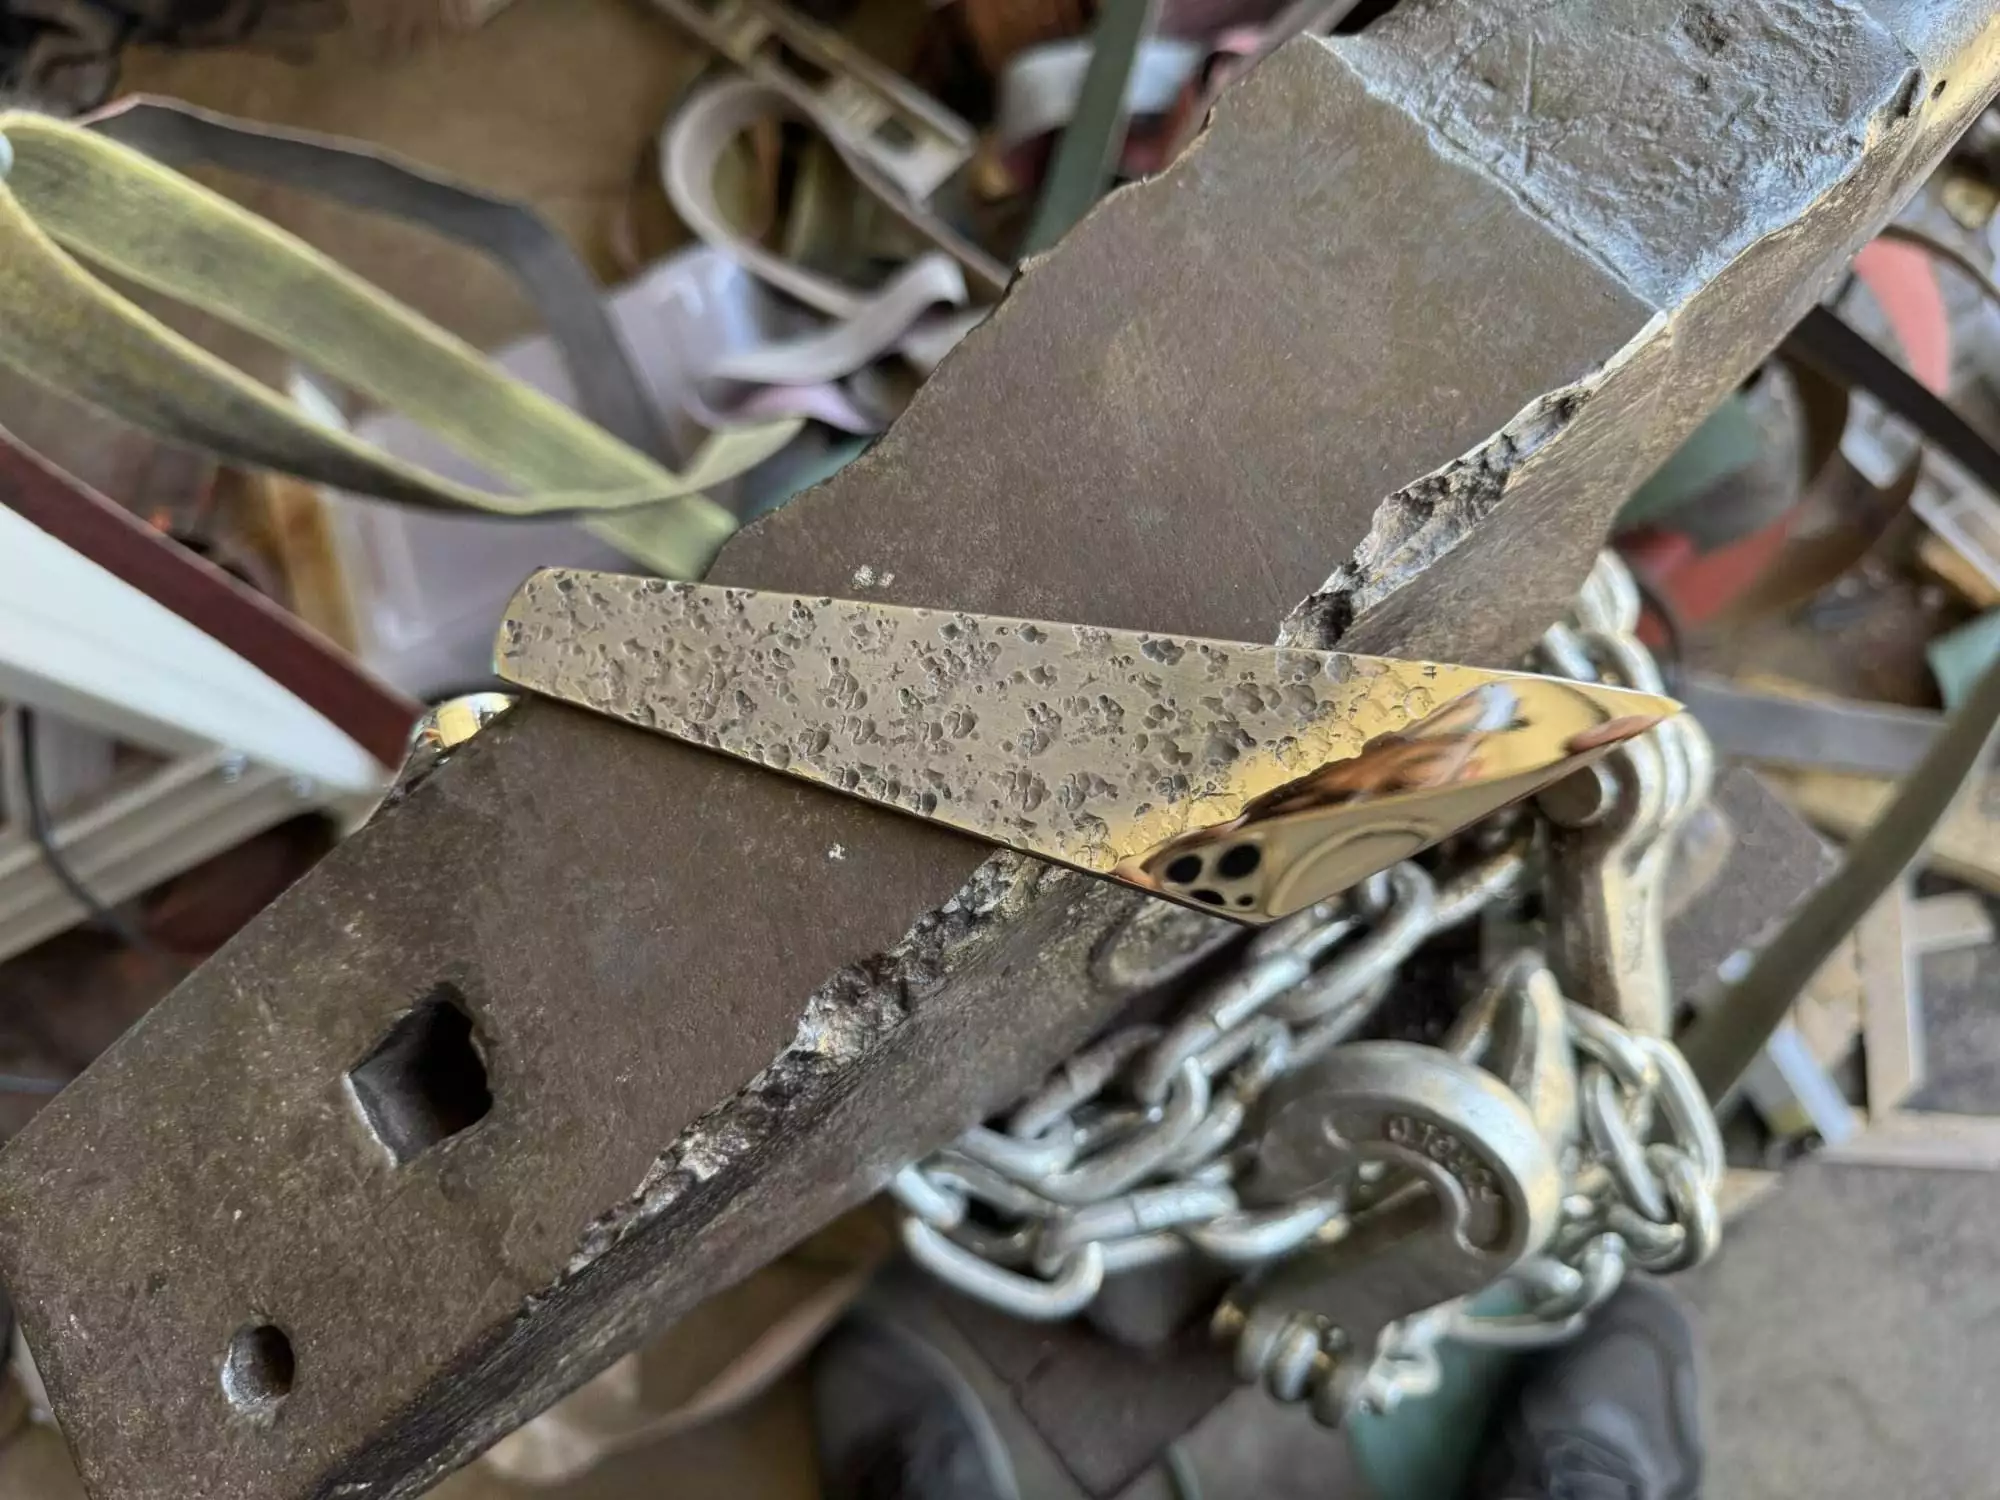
(425, 1081)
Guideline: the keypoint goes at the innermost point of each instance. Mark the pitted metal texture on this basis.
(1116, 751)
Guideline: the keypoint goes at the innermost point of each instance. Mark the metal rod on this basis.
(1826, 343)
(1875, 739)
(1723, 1041)
(1085, 157)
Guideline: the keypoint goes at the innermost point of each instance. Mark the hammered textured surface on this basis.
(1087, 746)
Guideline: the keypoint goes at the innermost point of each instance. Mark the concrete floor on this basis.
(1851, 1319)
(1850, 1323)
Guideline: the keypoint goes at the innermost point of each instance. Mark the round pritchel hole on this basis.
(1240, 861)
(1246, 901)
(1185, 870)
(1213, 898)
(258, 1369)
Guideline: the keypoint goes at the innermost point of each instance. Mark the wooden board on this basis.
(1892, 1024)
(1967, 843)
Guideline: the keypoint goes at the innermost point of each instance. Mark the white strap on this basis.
(897, 317)
(1039, 89)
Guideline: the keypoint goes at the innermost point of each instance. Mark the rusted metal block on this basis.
(1491, 260)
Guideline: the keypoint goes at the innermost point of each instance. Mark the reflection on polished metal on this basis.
(1249, 780)
(442, 729)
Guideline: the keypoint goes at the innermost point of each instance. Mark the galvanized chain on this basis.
(1128, 1155)
(1134, 1152)
(1641, 1182)
(1633, 1200)
(1641, 1192)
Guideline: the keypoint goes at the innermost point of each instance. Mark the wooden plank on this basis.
(1828, 1014)
(1891, 1012)
(1966, 846)
(1943, 924)
(1918, 1138)
(300, 534)
(1954, 568)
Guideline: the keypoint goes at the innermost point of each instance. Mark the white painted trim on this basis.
(78, 641)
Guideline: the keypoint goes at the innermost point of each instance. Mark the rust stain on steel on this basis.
(1119, 752)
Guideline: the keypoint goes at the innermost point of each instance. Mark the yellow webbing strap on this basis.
(71, 190)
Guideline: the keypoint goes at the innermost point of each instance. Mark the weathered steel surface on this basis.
(1117, 752)
(1490, 259)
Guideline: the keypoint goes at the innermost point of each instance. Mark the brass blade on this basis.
(1248, 780)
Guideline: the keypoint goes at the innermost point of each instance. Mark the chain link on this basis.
(1141, 1104)
(1630, 1202)
(1131, 1153)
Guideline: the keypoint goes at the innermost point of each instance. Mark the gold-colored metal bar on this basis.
(1245, 779)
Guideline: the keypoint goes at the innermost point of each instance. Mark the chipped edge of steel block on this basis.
(1432, 516)
(1413, 527)
(843, 1021)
